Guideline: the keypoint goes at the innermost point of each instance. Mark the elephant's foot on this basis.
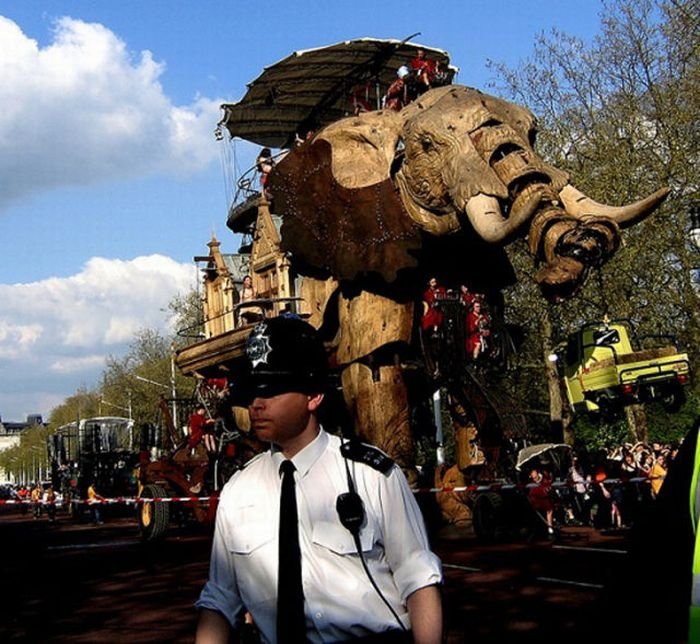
(453, 504)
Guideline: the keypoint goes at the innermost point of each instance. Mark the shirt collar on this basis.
(304, 460)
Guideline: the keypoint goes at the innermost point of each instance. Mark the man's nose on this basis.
(257, 403)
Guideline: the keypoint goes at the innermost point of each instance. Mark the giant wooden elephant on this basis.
(380, 201)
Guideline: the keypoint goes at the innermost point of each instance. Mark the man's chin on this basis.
(263, 432)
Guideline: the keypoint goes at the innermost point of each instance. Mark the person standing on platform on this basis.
(297, 526)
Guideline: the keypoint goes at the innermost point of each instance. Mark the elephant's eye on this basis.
(427, 143)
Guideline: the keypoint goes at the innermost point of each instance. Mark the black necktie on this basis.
(291, 624)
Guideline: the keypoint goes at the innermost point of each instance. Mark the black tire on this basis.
(487, 516)
(153, 516)
(673, 399)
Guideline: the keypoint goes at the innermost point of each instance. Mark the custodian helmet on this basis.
(284, 354)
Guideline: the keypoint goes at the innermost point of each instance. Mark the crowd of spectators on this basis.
(41, 499)
(607, 489)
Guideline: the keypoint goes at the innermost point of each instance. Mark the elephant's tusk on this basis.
(484, 213)
(579, 205)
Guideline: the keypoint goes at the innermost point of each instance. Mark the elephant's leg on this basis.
(376, 397)
(378, 402)
(456, 507)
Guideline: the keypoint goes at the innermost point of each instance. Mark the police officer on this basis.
(396, 598)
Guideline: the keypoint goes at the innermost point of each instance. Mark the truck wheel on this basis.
(153, 516)
(672, 399)
(488, 516)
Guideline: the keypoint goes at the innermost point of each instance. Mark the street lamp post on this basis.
(173, 392)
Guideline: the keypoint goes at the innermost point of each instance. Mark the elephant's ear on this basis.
(363, 147)
(348, 231)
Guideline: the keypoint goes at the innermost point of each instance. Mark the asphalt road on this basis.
(71, 582)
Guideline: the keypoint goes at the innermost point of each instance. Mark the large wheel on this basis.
(673, 399)
(155, 515)
(488, 516)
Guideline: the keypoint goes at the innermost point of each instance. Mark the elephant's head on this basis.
(364, 193)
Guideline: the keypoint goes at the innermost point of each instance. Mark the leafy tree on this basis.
(134, 383)
(144, 375)
(82, 404)
(29, 459)
(188, 317)
(620, 115)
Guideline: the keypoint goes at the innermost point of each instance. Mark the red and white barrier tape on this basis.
(490, 487)
(134, 500)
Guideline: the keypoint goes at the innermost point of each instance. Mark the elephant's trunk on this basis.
(568, 247)
(569, 232)
(582, 234)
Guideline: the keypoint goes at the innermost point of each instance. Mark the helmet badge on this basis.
(258, 347)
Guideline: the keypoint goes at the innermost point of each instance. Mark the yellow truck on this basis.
(603, 372)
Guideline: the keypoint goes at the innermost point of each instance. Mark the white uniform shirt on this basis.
(339, 601)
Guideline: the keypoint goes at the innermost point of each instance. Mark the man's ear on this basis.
(314, 402)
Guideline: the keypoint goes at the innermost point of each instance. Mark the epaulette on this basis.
(367, 454)
(257, 457)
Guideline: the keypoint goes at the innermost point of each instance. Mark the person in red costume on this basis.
(466, 296)
(397, 96)
(477, 330)
(432, 317)
(425, 70)
(198, 423)
(540, 495)
(194, 453)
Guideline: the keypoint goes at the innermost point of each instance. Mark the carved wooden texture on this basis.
(466, 448)
(369, 321)
(315, 294)
(380, 410)
(453, 505)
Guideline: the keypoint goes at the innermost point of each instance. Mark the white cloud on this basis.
(16, 339)
(84, 109)
(56, 333)
(70, 364)
(102, 305)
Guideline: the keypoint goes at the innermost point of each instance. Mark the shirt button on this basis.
(319, 615)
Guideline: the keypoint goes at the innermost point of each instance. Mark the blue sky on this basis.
(111, 177)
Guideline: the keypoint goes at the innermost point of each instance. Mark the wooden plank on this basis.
(213, 352)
